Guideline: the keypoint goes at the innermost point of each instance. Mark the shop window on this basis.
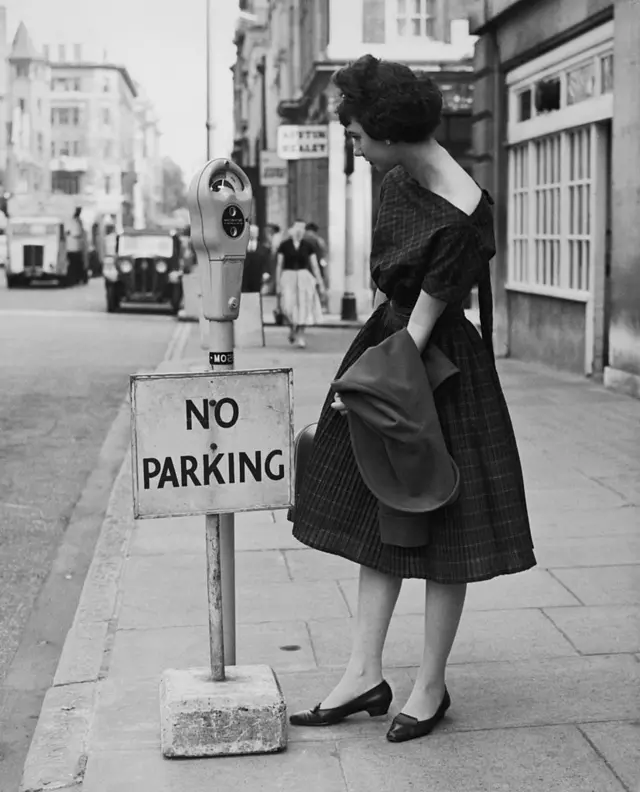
(547, 93)
(581, 82)
(524, 105)
(416, 18)
(606, 73)
(22, 70)
(550, 223)
(66, 183)
(373, 26)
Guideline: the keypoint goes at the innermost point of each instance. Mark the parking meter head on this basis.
(219, 201)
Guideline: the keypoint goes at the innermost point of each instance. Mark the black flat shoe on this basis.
(404, 727)
(375, 701)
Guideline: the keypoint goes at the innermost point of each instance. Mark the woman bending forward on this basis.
(432, 244)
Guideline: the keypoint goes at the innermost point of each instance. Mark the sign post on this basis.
(213, 443)
(219, 205)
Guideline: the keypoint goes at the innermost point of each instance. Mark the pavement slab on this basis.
(602, 629)
(483, 636)
(141, 653)
(553, 759)
(619, 745)
(311, 768)
(587, 551)
(605, 585)
(535, 588)
(540, 692)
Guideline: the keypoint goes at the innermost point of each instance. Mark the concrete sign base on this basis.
(245, 714)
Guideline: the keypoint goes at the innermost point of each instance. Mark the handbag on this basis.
(278, 316)
(303, 444)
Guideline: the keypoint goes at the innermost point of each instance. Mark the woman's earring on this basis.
(388, 142)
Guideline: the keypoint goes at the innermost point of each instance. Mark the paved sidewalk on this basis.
(543, 675)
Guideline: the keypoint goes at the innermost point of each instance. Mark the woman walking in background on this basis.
(298, 282)
(432, 243)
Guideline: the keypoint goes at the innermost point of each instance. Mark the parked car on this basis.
(147, 268)
(37, 251)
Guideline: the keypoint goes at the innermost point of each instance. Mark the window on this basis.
(40, 143)
(77, 52)
(22, 105)
(53, 148)
(416, 18)
(373, 23)
(107, 184)
(60, 116)
(64, 148)
(61, 52)
(75, 116)
(22, 70)
(65, 182)
(76, 148)
(106, 116)
(550, 221)
(106, 87)
(108, 149)
(581, 82)
(606, 73)
(45, 51)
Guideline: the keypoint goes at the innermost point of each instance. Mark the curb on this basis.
(57, 756)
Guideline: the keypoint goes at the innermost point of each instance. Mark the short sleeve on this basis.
(280, 249)
(456, 259)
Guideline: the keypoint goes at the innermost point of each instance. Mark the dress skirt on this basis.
(300, 302)
(485, 532)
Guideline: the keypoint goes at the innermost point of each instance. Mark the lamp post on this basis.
(349, 310)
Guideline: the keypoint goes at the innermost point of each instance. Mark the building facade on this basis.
(28, 143)
(80, 134)
(93, 132)
(307, 41)
(564, 171)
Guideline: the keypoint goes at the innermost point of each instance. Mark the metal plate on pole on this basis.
(212, 442)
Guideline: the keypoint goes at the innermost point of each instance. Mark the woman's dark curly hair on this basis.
(389, 100)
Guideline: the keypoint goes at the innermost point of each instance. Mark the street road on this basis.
(64, 367)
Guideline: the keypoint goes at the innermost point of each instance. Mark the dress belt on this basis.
(451, 314)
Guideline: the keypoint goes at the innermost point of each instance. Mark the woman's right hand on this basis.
(338, 405)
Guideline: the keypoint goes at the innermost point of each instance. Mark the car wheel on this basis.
(13, 281)
(113, 299)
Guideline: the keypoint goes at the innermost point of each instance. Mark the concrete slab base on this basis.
(245, 714)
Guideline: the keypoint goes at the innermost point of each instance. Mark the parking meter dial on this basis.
(219, 201)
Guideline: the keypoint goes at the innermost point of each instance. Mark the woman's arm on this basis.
(313, 261)
(279, 266)
(379, 299)
(423, 317)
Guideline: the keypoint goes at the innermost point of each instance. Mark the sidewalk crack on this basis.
(599, 753)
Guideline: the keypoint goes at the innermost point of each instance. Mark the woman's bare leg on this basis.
(443, 609)
(377, 596)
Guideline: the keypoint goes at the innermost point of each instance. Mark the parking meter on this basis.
(219, 202)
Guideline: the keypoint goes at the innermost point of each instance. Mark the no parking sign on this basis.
(211, 442)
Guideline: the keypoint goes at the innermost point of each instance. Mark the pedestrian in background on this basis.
(256, 261)
(77, 249)
(299, 283)
(432, 243)
(312, 235)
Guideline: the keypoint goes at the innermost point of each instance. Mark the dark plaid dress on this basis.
(421, 241)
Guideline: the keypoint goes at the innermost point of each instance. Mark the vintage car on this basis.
(37, 251)
(147, 268)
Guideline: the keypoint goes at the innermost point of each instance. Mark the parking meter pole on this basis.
(214, 592)
(219, 200)
(221, 542)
